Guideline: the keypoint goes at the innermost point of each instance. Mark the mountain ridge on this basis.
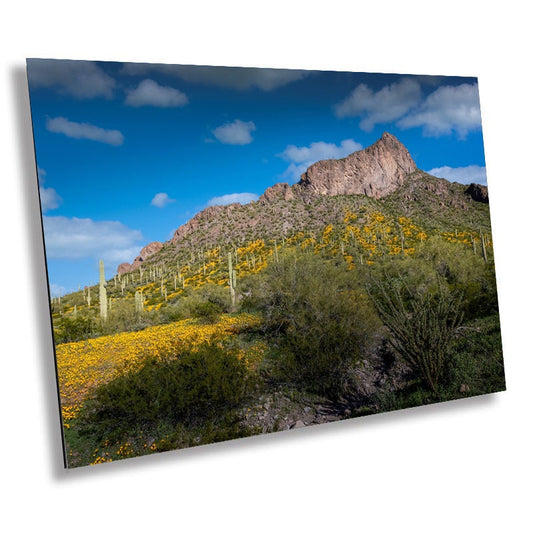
(375, 173)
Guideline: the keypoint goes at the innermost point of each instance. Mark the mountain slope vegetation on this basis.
(367, 286)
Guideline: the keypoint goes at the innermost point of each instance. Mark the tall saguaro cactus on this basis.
(483, 248)
(103, 293)
(232, 280)
(139, 304)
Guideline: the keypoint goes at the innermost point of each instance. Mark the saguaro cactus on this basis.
(232, 280)
(139, 304)
(103, 293)
(483, 248)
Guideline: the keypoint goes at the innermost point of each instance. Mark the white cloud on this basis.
(466, 175)
(161, 199)
(82, 79)
(41, 174)
(238, 78)
(83, 130)
(301, 158)
(150, 93)
(57, 290)
(49, 199)
(79, 238)
(236, 132)
(448, 109)
(388, 104)
(237, 197)
(320, 150)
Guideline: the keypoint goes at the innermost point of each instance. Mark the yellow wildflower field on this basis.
(84, 365)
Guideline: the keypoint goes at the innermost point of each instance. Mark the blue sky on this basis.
(128, 152)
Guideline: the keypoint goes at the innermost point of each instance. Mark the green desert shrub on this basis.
(464, 272)
(205, 303)
(474, 366)
(123, 317)
(319, 318)
(437, 263)
(477, 363)
(421, 325)
(71, 329)
(191, 388)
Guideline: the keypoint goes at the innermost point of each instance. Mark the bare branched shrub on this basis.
(421, 325)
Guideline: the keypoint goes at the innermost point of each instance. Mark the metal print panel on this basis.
(238, 251)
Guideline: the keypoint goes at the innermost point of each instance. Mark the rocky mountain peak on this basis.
(145, 253)
(375, 171)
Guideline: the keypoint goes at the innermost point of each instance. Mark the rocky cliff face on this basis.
(375, 171)
(478, 193)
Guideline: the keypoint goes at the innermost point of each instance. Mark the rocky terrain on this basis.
(375, 171)
(145, 253)
(384, 171)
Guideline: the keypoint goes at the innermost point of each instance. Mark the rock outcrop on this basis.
(123, 268)
(279, 191)
(145, 253)
(478, 193)
(375, 171)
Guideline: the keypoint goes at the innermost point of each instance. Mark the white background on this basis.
(464, 466)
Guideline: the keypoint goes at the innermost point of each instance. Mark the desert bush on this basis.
(474, 366)
(477, 360)
(421, 325)
(440, 264)
(71, 329)
(319, 318)
(205, 303)
(123, 317)
(464, 272)
(190, 388)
